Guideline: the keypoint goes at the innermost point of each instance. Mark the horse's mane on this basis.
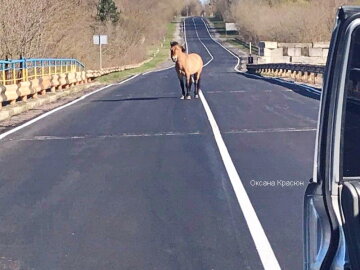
(175, 43)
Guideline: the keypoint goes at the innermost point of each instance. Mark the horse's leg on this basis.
(197, 88)
(188, 86)
(196, 82)
(182, 84)
(197, 85)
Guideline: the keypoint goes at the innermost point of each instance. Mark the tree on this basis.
(63, 29)
(107, 11)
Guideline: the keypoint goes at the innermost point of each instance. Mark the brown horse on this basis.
(187, 65)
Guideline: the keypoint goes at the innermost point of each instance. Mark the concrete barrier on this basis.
(323, 45)
(78, 78)
(62, 80)
(35, 87)
(45, 83)
(23, 90)
(2, 94)
(315, 52)
(268, 45)
(298, 53)
(83, 76)
(294, 51)
(11, 93)
(294, 45)
(70, 79)
(55, 82)
(312, 74)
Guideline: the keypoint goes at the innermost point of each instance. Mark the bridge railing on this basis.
(28, 78)
(312, 74)
(23, 70)
(24, 78)
(254, 48)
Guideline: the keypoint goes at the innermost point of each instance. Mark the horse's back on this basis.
(197, 58)
(196, 62)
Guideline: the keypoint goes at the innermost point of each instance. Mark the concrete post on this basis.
(305, 77)
(319, 79)
(312, 78)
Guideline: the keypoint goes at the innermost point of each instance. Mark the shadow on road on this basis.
(133, 99)
(290, 85)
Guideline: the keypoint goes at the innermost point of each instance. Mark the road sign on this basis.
(230, 27)
(100, 39)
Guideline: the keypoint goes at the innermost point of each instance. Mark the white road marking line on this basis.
(270, 130)
(238, 59)
(306, 87)
(159, 70)
(261, 241)
(243, 91)
(5, 134)
(226, 92)
(212, 57)
(185, 38)
(122, 135)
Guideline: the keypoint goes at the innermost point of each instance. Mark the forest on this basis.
(64, 29)
(282, 20)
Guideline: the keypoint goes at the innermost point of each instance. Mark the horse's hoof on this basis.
(196, 96)
(188, 97)
(182, 97)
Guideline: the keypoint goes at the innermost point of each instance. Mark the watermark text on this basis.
(277, 183)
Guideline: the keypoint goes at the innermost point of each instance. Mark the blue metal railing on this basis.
(15, 71)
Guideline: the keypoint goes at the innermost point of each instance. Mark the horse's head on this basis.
(175, 50)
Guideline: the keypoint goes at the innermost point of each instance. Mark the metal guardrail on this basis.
(292, 67)
(254, 48)
(15, 71)
(299, 72)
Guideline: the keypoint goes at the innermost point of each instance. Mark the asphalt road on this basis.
(132, 177)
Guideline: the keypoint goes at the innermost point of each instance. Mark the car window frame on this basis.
(340, 111)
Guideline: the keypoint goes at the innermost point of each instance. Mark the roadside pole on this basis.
(100, 57)
(100, 40)
(250, 58)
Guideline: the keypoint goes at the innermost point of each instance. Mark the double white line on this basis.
(261, 241)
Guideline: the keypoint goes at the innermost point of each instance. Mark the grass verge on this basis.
(159, 58)
(237, 44)
(219, 26)
(231, 37)
(218, 23)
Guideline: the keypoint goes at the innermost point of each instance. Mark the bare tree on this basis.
(286, 20)
(53, 28)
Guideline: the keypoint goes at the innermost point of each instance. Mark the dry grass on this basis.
(161, 56)
(52, 28)
(285, 21)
